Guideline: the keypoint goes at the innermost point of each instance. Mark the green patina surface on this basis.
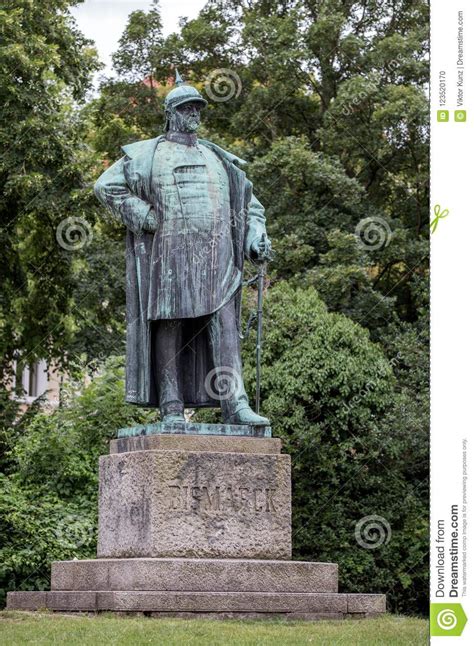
(189, 428)
(191, 219)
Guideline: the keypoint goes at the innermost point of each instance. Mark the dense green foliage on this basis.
(328, 106)
(62, 278)
(45, 67)
(48, 500)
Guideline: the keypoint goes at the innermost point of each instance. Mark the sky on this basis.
(103, 21)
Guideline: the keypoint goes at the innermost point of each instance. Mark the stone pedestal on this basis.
(195, 504)
(197, 525)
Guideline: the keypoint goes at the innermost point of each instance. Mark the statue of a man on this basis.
(191, 219)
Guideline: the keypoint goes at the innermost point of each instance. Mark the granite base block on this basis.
(192, 504)
(194, 575)
(245, 604)
(77, 601)
(209, 443)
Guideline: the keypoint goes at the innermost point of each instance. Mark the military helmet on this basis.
(183, 93)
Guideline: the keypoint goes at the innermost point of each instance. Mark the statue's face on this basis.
(186, 117)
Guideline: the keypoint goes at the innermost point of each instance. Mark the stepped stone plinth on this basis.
(197, 525)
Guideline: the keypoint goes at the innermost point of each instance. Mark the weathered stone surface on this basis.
(195, 504)
(26, 600)
(77, 601)
(194, 575)
(219, 605)
(366, 603)
(215, 444)
(222, 602)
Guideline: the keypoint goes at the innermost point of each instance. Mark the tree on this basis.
(45, 69)
(358, 440)
(139, 42)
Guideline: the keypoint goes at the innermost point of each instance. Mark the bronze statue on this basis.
(191, 218)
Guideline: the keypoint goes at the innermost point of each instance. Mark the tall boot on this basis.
(230, 389)
(167, 347)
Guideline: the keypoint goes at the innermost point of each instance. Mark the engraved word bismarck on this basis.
(195, 504)
(186, 497)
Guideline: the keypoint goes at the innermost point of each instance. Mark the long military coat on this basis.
(126, 189)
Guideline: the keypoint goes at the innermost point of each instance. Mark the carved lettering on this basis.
(269, 500)
(229, 499)
(185, 497)
(258, 506)
(211, 502)
(243, 495)
(208, 498)
(196, 497)
(175, 496)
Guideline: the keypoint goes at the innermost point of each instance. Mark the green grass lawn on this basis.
(50, 629)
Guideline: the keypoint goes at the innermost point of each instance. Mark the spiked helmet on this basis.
(180, 94)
